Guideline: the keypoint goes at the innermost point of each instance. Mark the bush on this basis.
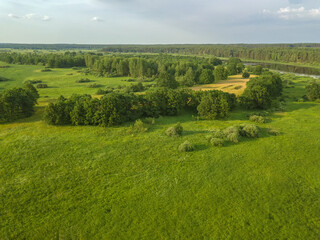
(3, 79)
(42, 85)
(258, 119)
(245, 75)
(274, 132)
(249, 130)
(94, 85)
(175, 130)
(33, 81)
(217, 133)
(217, 142)
(313, 91)
(186, 147)
(139, 127)
(83, 80)
(46, 70)
(232, 134)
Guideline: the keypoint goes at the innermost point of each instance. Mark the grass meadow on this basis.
(106, 183)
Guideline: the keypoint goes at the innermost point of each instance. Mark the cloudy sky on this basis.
(159, 21)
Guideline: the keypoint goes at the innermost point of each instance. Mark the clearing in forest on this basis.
(234, 84)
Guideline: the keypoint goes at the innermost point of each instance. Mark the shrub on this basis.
(245, 75)
(217, 142)
(42, 85)
(175, 130)
(217, 133)
(46, 70)
(249, 130)
(94, 85)
(313, 91)
(83, 80)
(232, 134)
(138, 127)
(33, 81)
(186, 147)
(274, 132)
(3, 79)
(258, 119)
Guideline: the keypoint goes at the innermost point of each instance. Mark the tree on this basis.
(313, 91)
(189, 78)
(245, 74)
(220, 73)
(167, 80)
(206, 77)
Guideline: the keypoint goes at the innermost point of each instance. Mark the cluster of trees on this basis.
(17, 103)
(313, 91)
(262, 91)
(304, 53)
(116, 108)
(51, 60)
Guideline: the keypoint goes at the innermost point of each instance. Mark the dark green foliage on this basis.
(189, 78)
(261, 91)
(46, 70)
(138, 127)
(220, 73)
(214, 104)
(104, 91)
(313, 91)
(166, 79)
(232, 134)
(234, 66)
(186, 147)
(17, 103)
(42, 85)
(257, 70)
(217, 142)
(175, 130)
(94, 85)
(33, 81)
(245, 74)
(3, 79)
(206, 77)
(249, 130)
(258, 119)
(83, 80)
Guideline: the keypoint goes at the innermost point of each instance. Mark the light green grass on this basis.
(105, 183)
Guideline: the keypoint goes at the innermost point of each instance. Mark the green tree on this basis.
(167, 80)
(220, 73)
(206, 77)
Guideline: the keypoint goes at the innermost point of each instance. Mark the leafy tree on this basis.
(245, 74)
(167, 80)
(189, 78)
(220, 73)
(206, 77)
(313, 91)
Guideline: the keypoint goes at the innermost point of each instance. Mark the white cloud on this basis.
(289, 13)
(46, 18)
(13, 16)
(30, 16)
(96, 19)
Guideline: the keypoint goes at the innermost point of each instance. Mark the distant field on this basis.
(68, 182)
(235, 84)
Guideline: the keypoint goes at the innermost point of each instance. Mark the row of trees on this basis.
(116, 108)
(303, 53)
(51, 60)
(17, 103)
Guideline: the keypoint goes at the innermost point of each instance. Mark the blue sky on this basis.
(159, 21)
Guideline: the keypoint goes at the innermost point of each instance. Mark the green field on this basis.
(107, 183)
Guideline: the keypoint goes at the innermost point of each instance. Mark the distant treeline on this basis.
(17, 103)
(51, 60)
(302, 53)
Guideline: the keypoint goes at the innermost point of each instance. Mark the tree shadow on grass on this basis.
(36, 117)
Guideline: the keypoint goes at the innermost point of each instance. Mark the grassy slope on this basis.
(104, 183)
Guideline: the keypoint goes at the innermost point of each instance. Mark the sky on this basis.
(159, 21)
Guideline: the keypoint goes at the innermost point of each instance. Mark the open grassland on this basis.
(234, 84)
(107, 183)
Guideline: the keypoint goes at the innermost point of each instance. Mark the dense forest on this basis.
(295, 53)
